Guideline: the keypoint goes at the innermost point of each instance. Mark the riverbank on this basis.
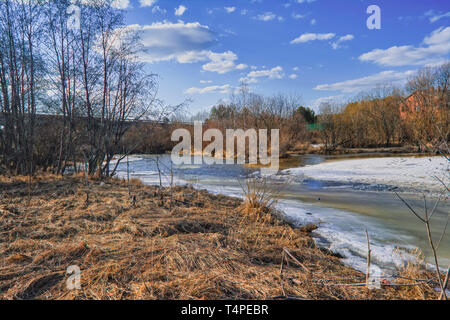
(343, 210)
(158, 244)
(308, 149)
(319, 149)
(415, 174)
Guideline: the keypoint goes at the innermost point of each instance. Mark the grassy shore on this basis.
(308, 149)
(142, 242)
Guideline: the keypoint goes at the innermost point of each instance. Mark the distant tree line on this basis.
(249, 110)
(418, 114)
(246, 110)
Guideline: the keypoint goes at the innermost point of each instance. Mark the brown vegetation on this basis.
(204, 248)
(93, 84)
(381, 118)
(385, 117)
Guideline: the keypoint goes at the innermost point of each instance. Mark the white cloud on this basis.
(183, 42)
(313, 22)
(120, 4)
(156, 9)
(337, 43)
(248, 80)
(180, 10)
(347, 37)
(225, 89)
(244, 12)
(293, 76)
(147, 3)
(312, 37)
(221, 62)
(230, 9)
(433, 17)
(369, 82)
(218, 62)
(205, 81)
(298, 16)
(274, 73)
(241, 66)
(267, 16)
(435, 47)
(306, 37)
(193, 56)
(305, 1)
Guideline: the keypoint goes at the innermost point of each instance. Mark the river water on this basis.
(343, 196)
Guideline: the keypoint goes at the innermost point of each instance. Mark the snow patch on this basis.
(405, 172)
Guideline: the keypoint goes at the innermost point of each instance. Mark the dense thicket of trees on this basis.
(245, 111)
(373, 120)
(430, 97)
(249, 110)
(21, 72)
(88, 74)
(418, 115)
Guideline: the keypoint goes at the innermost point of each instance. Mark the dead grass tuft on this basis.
(259, 196)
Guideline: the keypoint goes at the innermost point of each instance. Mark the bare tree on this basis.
(62, 56)
(20, 69)
(334, 131)
(383, 108)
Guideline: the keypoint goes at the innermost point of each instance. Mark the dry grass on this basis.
(414, 274)
(204, 249)
(259, 196)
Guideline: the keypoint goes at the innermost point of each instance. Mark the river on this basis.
(344, 196)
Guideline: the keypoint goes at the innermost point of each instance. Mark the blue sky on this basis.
(203, 49)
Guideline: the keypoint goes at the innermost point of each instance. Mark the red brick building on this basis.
(418, 102)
